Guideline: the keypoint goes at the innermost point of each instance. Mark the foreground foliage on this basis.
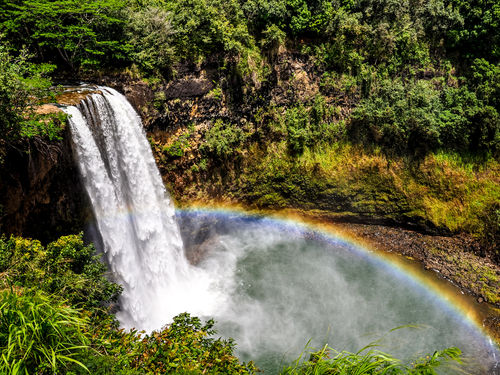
(53, 321)
(185, 346)
(369, 362)
(65, 268)
(54, 318)
(38, 334)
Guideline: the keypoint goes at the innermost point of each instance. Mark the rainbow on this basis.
(443, 293)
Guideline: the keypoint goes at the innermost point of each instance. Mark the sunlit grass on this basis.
(38, 333)
(370, 361)
(446, 189)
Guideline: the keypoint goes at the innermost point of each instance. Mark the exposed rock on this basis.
(40, 191)
(74, 97)
(46, 109)
(183, 89)
(453, 258)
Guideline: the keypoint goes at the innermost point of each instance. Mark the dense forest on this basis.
(421, 79)
(426, 71)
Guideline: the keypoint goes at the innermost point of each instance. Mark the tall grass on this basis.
(369, 361)
(38, 334)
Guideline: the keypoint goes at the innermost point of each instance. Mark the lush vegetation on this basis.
(38, 334)
(55, 318)
(424, 74)
(413, 130)
(23, 87)
(370, 360)
(419, 77)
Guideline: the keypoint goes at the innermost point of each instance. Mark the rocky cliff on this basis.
(41, 195)
(40, 191)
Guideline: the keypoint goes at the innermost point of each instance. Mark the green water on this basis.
(284, 287)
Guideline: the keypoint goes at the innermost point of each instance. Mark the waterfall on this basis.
(270, 285)
(134, 213)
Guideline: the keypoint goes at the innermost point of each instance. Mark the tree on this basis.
(23, 86)
(78, 32)
(150, 34)
(480, 36)
(206, 26)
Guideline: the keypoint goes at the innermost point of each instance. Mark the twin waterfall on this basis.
(270, 285)
(134, 213)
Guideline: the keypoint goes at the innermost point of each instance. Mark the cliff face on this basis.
(249, 160)
(41, 195)
(178, 114)
(209, 91)
(215, 133)
(40, 191)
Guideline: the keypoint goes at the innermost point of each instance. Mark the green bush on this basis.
(177, 148)
(222, 139)
(480, 36)
(371, 362)
(294, 16)
(486, 80)
(307, 126)
(64, 267)
(184, 347)
(23, 86)
(69, 332)
(414, 118)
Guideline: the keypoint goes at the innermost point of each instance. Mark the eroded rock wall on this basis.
(40, 191)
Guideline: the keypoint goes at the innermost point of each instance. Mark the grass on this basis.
(444, 189)
(475, 274)
(37, 332)
(370, 361)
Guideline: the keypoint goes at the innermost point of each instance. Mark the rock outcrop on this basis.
(40, 191)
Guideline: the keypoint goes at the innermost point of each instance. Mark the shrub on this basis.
(309, 127)
(23, 86)
(368, 361)
(222, 139)
(206, 26)
(64, 267)
(177, 148)
(414, 118)
(186, 346)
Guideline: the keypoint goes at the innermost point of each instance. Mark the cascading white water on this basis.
(134, 213)
(269, 287)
